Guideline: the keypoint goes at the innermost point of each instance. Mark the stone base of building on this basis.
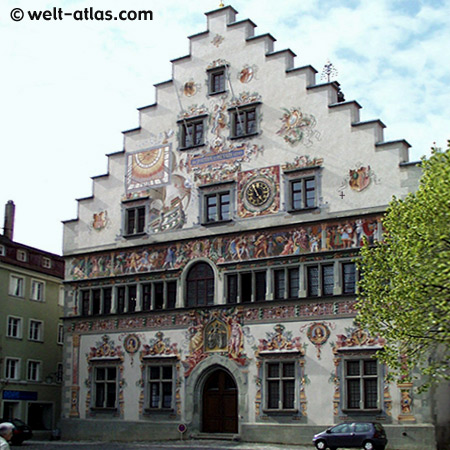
(400, 437)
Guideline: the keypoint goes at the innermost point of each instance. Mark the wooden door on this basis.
(220, 403)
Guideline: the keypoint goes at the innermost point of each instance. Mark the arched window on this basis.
(200, 285)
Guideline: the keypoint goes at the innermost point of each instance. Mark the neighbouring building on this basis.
(31, 331)
(211, 279)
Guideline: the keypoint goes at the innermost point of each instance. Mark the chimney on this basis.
(8, 229)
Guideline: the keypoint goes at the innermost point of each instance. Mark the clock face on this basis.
(258, 192)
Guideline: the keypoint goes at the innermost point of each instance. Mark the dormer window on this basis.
(21, 255)
(217, 80)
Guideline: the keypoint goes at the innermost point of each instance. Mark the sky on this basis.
(68, 88)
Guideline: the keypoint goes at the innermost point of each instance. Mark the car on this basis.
(365, 435)
(21, 431)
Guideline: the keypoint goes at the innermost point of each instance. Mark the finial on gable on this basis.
(221, 5)
(328, 71)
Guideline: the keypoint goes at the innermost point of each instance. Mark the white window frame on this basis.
(61, 296)
(18, 326)
(16, 375)
(37, 294)
(2, 250)
(46, 262)
(32, 330)
(160, 381)
(17, 286)
(36, 374)
(105, 382)
(22, 255)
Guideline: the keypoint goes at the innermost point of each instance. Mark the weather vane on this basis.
(328, 71)
(221, 5)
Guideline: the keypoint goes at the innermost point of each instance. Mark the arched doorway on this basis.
(220, 403)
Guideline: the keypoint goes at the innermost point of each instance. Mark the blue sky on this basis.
(68, 88)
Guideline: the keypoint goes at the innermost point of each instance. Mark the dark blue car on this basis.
(365, 435)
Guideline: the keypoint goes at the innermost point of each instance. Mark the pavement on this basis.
(166, 445)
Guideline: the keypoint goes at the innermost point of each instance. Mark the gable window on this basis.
(349, 278)
(37, 290)
(216, 80)
(160, 387)
(46, 263)
(280, 385)
(33, 370)
(22, 255)
(135, 220)
(217, 207)
(2, 250)
(200, 285)
(105, 387)
(16, 286)
(12, 368)
(361, 384)
(36, 330)
(302, 193)
(192, 133)
(244, 121)
(14, 327)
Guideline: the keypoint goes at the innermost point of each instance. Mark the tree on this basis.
(405, 289)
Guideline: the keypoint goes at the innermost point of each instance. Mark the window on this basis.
(16, 286)
(200, 285)
(160, 387)
(36, 331)
(2, 250)
(59, 373)
(105, 387)
(216, 80)
(302, 193)
(34, 371)
(320, 280)
(279, 283)
(12, 368)
(192, 133)
(135, 220)
(96, 301)
(37, 290)
(217, 207)
(361, 384)
(14, 327)
(244, 121)
(280, 385)
(60, 336)
(349, 278)
(246, 287)
(126, 298)
(22, 255)
(61, 297)
(46, 262)
(286, 283)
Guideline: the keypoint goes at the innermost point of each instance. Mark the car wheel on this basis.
(321, 445)
(368, 445)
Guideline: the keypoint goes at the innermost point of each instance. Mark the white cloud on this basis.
(69, 88)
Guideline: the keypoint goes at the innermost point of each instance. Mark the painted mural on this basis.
(359, 178)
(105, 351)
(245, 98)
(190, 88)
(100, 220)
(318, 334)
(217, 40)
(247, 246)
(247, 73)
(211, 332)
(147, 169)
(301, 162)
(298, 127)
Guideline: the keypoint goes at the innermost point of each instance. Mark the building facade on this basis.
(211, 278)
(31, 332)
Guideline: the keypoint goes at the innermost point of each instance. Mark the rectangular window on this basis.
(2, 250)
(85, 302)
(60, 336)
(16, 286)
(121, 295)
(14, 327)
(327, 279)
(171, 294)
(96, 301)
(192, 133)
(260, 286)
(107, 300)
(361, 379)
(244, 122)
(279, 283)
(37, 290)
(294, 282)
(349, 278)
(46, 263)
(36, 330)
(105, 387)
(280, 385)
(147, 296)
(61, 297)
(246, 287)
(12, 368)
(217, 207)
(135, 220)
(22, 255)
(33, 371)
(59, 373)
(232, 288)
(159, 295)
(216, 78)
(160, 387)
(303, 193)
(131, 297)
(320, 280)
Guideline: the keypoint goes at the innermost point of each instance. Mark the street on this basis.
(172, 445)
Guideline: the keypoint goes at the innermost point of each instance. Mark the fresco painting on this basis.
(298, 127)
(217, 40)
(247, 246)
(301, 162)
(247, 73)
(359, 178)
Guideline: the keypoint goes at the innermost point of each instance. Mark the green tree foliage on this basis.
(405, 291)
